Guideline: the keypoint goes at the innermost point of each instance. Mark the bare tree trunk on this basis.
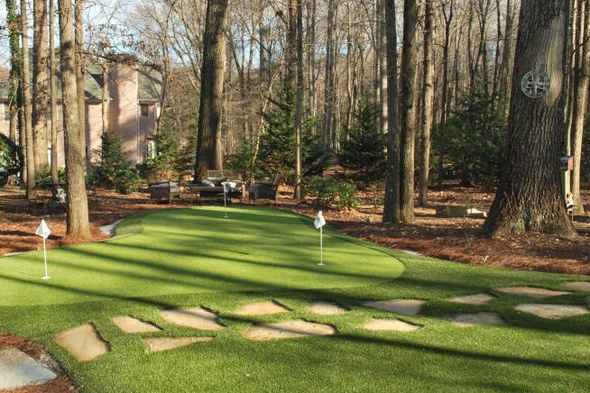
(77, 218)
(529, 196)
(15, 98)
(53, 92)
(427, 102)
(299, 106)
(311, 51)
(40, 85)
(391, 207)
(581, 90)
(504, 75)
(209, 153)
(448, 13)
(80, 73)
(408, 110)
(330, 85)
(381, 55)
(27, 126)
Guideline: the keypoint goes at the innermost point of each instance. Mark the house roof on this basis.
(150, 84)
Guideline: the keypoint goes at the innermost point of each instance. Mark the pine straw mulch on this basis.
(455, 239)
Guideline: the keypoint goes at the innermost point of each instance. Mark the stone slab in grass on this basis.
(481, 318)
(84, 342)
(553, 311)
(407, 307)
(479, 299)
(262, 308)
(583, 286)
(288, 329)
(194, 317)
(18, 369)
(532, 292)
(326, 308)
(390, 325)
(158, 344)
(133, 325)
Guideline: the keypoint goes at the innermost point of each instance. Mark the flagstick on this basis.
(225, 203)
(321, 248)
(46, 276)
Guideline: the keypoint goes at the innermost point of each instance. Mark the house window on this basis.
(144, 110)
(151, 148)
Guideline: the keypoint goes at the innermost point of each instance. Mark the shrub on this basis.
(10, 159)
(277, 143)
(113, 171)
(331, 192)
(474, 140)
(362, 148)
(169, 160)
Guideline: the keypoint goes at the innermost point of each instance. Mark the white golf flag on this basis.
(319, 220)
(43, 230)
(224, 187)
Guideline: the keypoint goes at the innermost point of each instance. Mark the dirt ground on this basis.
(455, 239)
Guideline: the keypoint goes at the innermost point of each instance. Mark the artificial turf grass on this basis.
(526, 354)
(194, 250)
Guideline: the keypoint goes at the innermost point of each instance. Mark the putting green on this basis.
(192, 250)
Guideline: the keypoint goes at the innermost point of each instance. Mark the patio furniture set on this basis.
(218, 185)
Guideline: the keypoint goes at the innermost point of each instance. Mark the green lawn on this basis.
(195, 257)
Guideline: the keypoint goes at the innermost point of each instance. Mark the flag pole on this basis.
(319, 222)
(44, 231)
(225, 200)
(46, 276)
(321, 247)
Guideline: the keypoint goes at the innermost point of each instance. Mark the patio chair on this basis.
(265, 190)
(164, 189)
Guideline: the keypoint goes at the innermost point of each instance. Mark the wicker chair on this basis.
(265, 190)
(162, 190)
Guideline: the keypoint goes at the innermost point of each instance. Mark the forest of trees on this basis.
(442, 76)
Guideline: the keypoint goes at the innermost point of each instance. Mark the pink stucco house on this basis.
(130, 96)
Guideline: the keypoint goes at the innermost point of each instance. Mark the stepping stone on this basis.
(84, 342)
(390, 324)
(18, 369)
(288, 329)
(552, 311)
(579, 285)
(482, 318)
(262, 308)
(407, 307)
(194, 317)
(133, 325)
(165, 343)
(326, 308)
(479, 300)
(537, 293)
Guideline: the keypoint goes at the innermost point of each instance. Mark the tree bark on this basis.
(209, 148)
(77, 217)
(391, 206)
(529, 196)
(427, 102)
(53, 92)
(27, 115)
(40, 85)
(80, 73)
(581, 91)
(408, 110)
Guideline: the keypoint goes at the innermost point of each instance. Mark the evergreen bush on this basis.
(362, 148)
(474, 141)
(331, 192)
(112, 170)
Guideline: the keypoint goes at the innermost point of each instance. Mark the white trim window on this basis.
(144, 110)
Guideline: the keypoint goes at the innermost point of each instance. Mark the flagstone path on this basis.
(86, 343)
